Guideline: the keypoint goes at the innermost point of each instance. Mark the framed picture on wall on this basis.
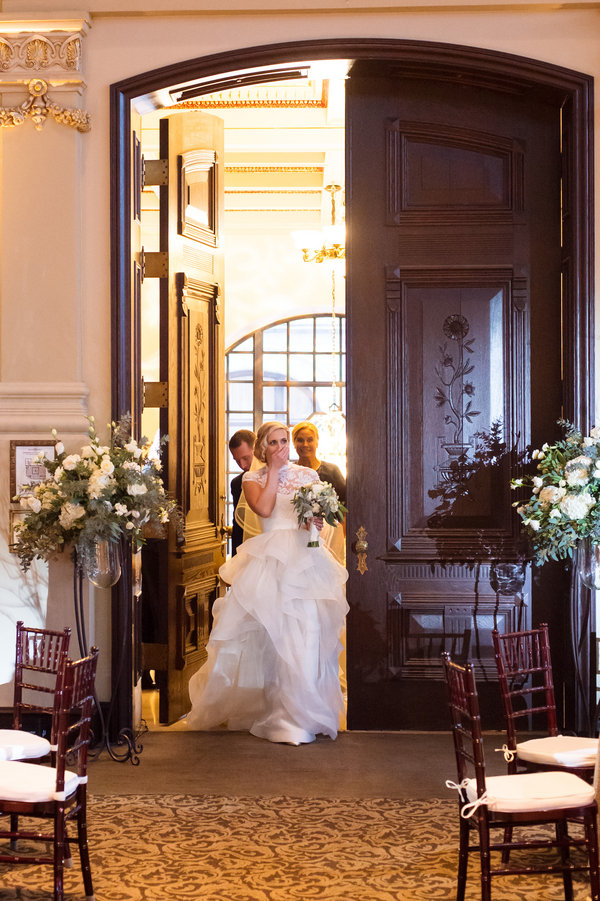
(16, 516)
(25, 468)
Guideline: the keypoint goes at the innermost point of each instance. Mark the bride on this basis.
(273, 652)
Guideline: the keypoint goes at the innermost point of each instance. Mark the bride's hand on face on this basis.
(278, 450)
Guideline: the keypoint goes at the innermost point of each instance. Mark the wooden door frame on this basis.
(421, 59)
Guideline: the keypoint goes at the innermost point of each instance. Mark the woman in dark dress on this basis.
(305, 438)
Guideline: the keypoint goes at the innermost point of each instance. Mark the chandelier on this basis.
(318, 247)
(327, 244)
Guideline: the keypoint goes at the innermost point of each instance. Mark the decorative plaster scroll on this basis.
(38, 107)
(61, 50)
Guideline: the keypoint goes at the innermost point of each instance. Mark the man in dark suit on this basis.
(241, 446)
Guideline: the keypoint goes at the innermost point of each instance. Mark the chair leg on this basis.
(508, 834)
(591, 835)
(84, 854)
(59, 852)
(484, 855)
(463, 859)
(562, 835)
(14, 827)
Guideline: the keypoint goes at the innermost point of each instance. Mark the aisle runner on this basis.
(184, 848)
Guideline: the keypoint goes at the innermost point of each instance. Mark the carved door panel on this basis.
(454, 335)
(190, 267)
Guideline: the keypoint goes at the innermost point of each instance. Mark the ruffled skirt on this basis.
(273, 653)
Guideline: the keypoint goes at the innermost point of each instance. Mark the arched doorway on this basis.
(570, 93)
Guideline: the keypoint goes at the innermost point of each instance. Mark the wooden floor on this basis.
(356, 765)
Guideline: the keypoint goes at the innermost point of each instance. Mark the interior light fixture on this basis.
(327, 244)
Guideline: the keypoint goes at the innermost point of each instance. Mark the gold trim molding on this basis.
(257, 169)
(249, 104)
(38, 107)
(60, 50)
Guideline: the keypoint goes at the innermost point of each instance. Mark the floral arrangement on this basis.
(103, 492)
(563, 507)
(317, 500)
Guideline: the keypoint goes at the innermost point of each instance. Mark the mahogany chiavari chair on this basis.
(56, 794)
(559, 799)
(525, 675)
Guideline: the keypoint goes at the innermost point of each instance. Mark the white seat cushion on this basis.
(18, 745)
(523, 792)
(32, 782)
(565, 750)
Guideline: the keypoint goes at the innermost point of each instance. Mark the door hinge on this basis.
(155, 394)
(155, 172)
(156, 264)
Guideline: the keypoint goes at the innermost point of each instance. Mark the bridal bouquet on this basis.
(563, 507)
(317, 500)
(103, 492)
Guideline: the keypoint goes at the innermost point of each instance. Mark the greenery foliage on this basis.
(563, 504)
(103, 492)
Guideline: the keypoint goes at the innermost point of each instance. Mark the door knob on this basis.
(360, 548)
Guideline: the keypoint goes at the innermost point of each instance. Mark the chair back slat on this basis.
(463, 704)
(40, 655)
(76, 702)
(525, 675)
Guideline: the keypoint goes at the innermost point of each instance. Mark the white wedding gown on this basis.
(273, 652)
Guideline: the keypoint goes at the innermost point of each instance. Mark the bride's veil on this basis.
(246, 518)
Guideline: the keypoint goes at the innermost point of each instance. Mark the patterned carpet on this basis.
(185, 848)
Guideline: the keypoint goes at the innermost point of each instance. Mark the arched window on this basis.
(285, 371)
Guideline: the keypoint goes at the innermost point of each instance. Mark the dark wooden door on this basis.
(184, 575)
(454, 331)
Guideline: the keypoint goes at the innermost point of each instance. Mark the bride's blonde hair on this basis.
(262, 436)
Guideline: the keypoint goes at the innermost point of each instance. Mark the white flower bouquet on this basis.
(317, 500)
(563, 507)
(103, 492)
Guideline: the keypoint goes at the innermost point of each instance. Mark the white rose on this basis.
(577, 470)
(534, 524)
(551, 495)
(107, 466)
(59, 447)
(88, 451)
(71, 461)
(99, 481)
(133, 449)
(538, 481)
(136, 488)
(34, 503)
(129, 525)
(576, 506)
(70, 513)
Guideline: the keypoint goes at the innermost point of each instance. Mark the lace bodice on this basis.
(291, 477)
